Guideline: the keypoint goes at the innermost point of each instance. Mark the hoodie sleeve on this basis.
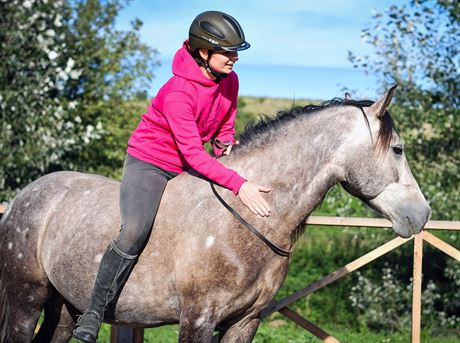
(178, 111)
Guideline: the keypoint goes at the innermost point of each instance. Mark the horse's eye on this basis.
(398, 150)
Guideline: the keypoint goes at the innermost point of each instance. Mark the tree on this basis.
(418, 46)
(66, 72)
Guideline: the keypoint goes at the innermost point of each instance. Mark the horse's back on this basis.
(41, 202)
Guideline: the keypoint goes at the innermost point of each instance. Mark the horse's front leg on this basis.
(196, 327)
(240, 332)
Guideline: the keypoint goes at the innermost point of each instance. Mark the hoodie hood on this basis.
(185, 66)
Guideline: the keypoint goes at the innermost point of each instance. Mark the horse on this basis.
(201, 267)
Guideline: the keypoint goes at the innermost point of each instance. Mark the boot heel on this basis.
(87, 327)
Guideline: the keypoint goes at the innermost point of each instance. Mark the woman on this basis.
(196, 105)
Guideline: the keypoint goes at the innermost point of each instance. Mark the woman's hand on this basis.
(229, 148)
(250, 196)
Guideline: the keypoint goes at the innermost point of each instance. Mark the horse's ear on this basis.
(379, 107)
(347, 96)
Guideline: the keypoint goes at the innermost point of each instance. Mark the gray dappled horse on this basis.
(201, 268)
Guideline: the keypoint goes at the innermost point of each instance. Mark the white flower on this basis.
(63, 75)
(58, 3)
(52, 55)
(53, 157)
(57, 21)
(75, 74)
(33, 18)
(69, 65)
(40, 40)
(50, 33)
(27, 4)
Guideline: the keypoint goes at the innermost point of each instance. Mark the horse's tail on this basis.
(4, 310)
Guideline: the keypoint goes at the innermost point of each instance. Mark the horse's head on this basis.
(378, 173)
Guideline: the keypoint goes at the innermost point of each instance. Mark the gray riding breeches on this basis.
(142, 187)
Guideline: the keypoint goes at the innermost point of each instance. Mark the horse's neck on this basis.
(300, 163)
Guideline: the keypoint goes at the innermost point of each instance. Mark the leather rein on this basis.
(276, 249)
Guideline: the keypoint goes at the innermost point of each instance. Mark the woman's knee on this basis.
(132, 238)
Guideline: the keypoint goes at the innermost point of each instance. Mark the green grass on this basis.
(275, 329)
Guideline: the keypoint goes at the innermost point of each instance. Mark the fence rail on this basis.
(282, 305)
(136, 335)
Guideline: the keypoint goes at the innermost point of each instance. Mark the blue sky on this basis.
(311, 33)
(314, 34)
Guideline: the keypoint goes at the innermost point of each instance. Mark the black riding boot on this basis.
(112, 275)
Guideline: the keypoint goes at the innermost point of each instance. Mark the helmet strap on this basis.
(205, 64)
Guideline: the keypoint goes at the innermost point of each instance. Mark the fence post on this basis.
(125, 334)
(417, 288)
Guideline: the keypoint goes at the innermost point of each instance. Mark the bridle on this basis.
(276, 249)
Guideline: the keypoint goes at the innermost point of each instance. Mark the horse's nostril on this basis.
(408, 220)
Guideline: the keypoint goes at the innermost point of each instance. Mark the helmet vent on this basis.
(211, 29)
(235, 26)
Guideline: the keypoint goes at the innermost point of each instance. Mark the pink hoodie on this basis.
(188, 111)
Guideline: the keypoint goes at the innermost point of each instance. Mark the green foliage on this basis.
(433, 151)
(66, 73)
(418, 47)
(385, 304)
(114, 143)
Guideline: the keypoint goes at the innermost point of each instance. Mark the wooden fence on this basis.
(126, 334)
(282, 305)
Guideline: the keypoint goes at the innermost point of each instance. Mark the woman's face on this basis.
(221, 61)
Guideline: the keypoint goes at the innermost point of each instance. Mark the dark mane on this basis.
(265, 124)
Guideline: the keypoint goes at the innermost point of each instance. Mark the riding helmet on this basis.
(214, 30)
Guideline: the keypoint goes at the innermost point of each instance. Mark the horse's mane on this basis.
(254, 129)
